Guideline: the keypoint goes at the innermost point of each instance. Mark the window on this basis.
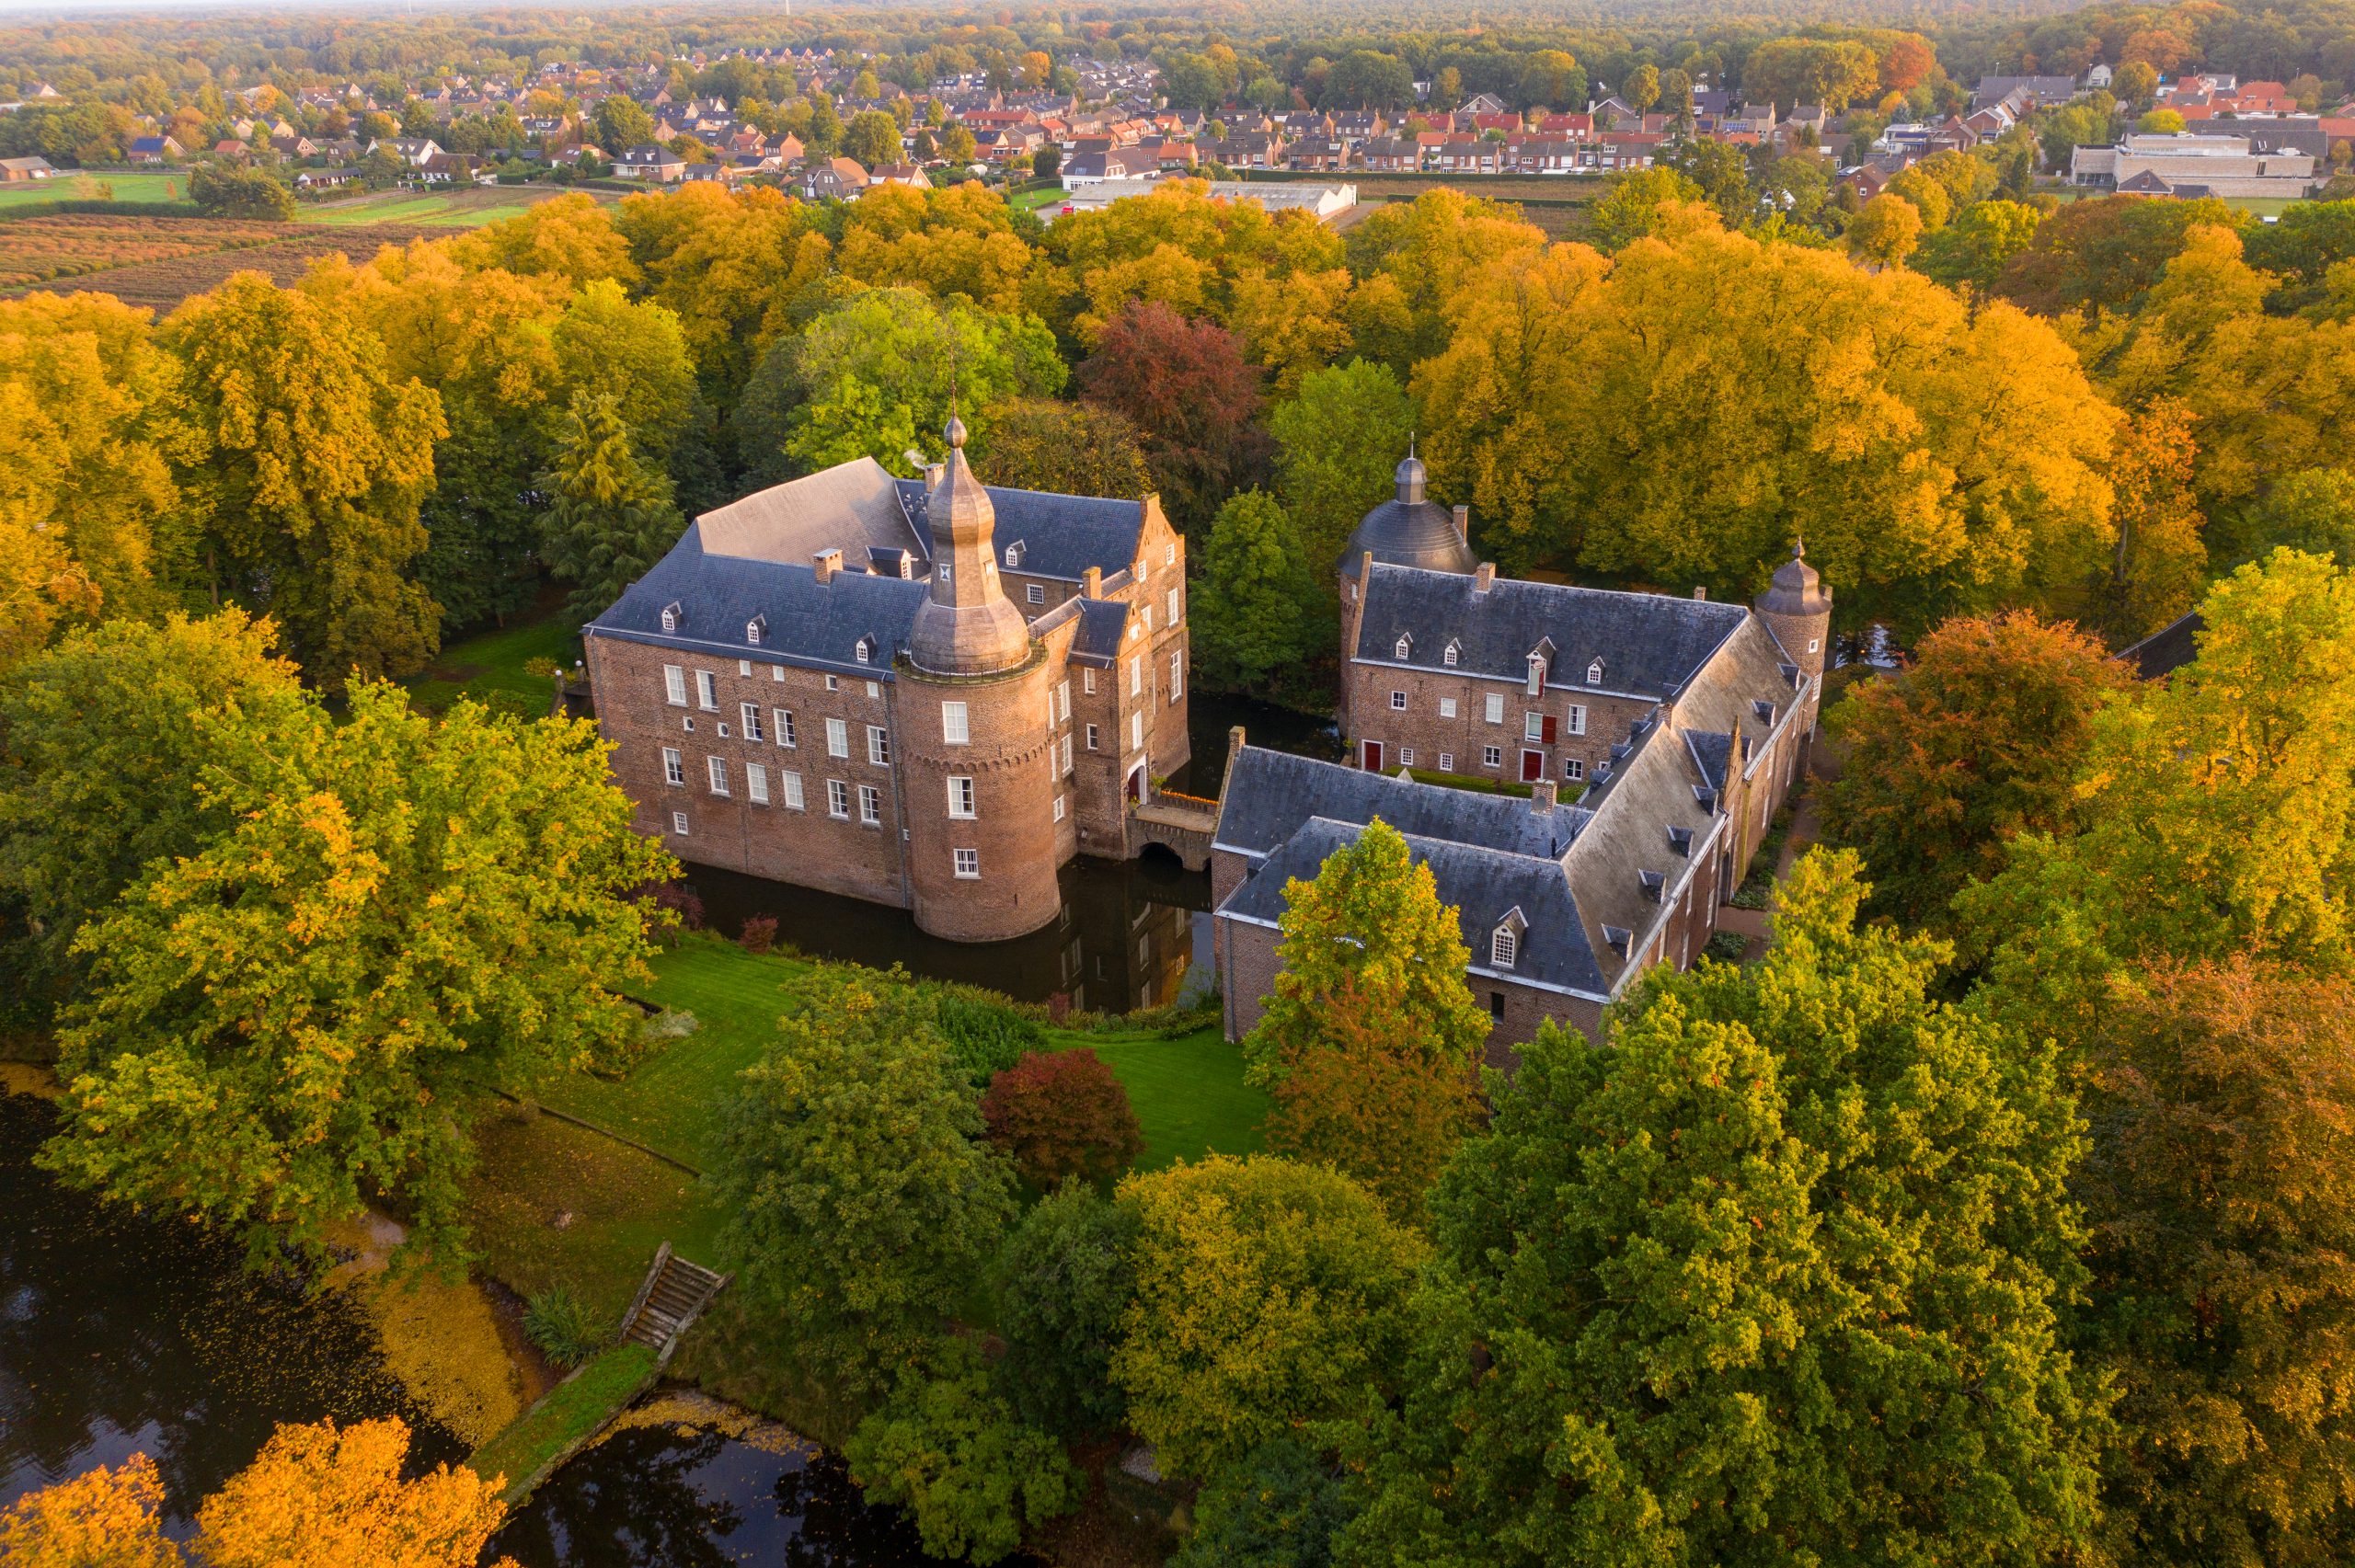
(1087, 682)
(832, 684)
(756, 783)
(1036, 594)
(792, 781)
(1449, 655)
(870, 805)
(670, 617)
(874, 690)
(1447, 762)
(1066, 754)
(753, 629)
(837, 737)
(1014, 553)
(706, 690)
(752, 722)
(838, 799)
(1136, 731)
(1136, 674)
(1091, 738)
(1146, 620)
(1578, 718)
(1173, 606)
(879, 746)
(1177, 676)
(679, 823)
(1402, 647)
(967, 862)
(1398, 701)
(1447, 707)
(1059, 808)
(723, 732)
(1407, 756)
(1496, 1004)
(1496, 711)
(1169, 553)
(952, 724)
(675, 685)
(865, 651)
(1814, 644)
(1594, 673)
(1492, 755)
(1062, 702)
(718, 768)
(785, 733)
(776, 673)
(675, 766)
(961, 795)
(1572, 769)
(1503, 947)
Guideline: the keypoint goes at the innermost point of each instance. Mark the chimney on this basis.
(1700, 592)
(827, 563)
(932, 475)
(1485, 579)
(1091, 583)
(1464, 523)
(1540, 796)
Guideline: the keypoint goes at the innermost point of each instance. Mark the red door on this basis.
(1532, 766)
(1548, 728)
(1372, 755)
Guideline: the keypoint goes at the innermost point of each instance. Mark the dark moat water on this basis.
(121, 1333)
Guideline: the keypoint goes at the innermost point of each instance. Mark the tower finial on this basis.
(1799, 545)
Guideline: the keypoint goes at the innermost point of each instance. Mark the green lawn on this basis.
(1032, 201)
(172, 186)
(490, 667)
(573, 1410)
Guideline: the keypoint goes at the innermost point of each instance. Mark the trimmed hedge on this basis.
(64, 205)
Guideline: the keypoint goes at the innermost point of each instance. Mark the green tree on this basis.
(103, 741)
(1268, 1295)
(609, 518)
(1366, 78)
(1976, 740)
(305, 463)
(947, 1449)
(403, 913)
(621, 123)
(1256, 609)
(1637, 203)
(872, 138)
(1371, 925)
(1975, 248)
(2312, 511)
(230, 190)
(862, 1199)
(1067, 449)
(1064, 1277)
(1770, 1279)
(1281, 1505)
(1336, 448)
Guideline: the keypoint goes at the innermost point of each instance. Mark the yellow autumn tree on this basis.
(321, 1493)
(726, 264)
(952, 242)
(570, 237)
(101, 1518)
(1409, 258)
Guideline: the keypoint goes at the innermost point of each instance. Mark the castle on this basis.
(1680, 724)
(928, 693)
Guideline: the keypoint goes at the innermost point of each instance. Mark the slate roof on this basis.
(1484, 885)
(1270, 793)
(2167, 649)
(1102, 623)
(808, 621)
(1060, 536)
(1651, 643)
(1409, 534)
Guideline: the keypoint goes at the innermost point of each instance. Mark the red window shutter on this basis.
(1549, 729)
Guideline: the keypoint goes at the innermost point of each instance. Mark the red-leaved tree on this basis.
(1191, 394)
(1061, 1114)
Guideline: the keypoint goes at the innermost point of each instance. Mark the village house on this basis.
(2189, 164)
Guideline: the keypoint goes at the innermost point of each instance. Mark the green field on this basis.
(161, 187)
(459, 209)
(490, 667)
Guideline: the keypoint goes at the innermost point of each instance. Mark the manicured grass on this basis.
(571, 1410)
(1032, 201)
(1189, 1095)
(490, 667)
(69, 187)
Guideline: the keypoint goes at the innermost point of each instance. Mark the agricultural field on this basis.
(41, 250)
(158, 262)
(172, 186)
(469, 208)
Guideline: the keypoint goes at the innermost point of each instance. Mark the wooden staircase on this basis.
(674, 1293)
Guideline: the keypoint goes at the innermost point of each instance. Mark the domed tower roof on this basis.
(966, 625)
(1796, 591)
(1410, 530)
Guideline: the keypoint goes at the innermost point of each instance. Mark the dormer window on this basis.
(1536, 674)
(1449, 655)
(1594, 673)
(753, 628)
(1014, 553)
(866, 650)
(1406, 645)
(672, 616)
(1504, 948)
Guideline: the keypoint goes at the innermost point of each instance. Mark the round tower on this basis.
(1409, 530)
(1797, 607)
(977, 758)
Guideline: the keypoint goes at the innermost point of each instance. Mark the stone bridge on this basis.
(1182, 824)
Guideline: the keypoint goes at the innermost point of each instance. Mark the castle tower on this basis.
(977, 759)
(1797, 607)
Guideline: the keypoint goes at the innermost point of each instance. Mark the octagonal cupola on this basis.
(966, 625)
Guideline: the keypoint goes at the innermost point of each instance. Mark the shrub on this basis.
(986, 1037)
(556, 1320)
(1063, 1279)
(759, 934)
(1061, 1114)
(678, 900)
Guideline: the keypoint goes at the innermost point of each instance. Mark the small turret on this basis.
(966, 625)
(1797, 607)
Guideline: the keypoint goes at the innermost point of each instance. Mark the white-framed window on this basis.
(864, 650)
(1594, 673)
(785, 735)
(679, 823)
(1136, 674)
(837, 737)
(1136, 731)
(1447, 762)
(1407, 756)
(753, 636)
(1087, 682)
(1492, 755)
(743, 666)
(1398, 701)
(1447, 707)
(1578, 718)
(776, 673)
(1147, 619)
(875, 691)
(961, 795)
(1403, 646)
(723, 730)
(870, 805)
(1062, 702)
(792, 791)
(1036, 594)
(1504, 948)
(675, 685)
(838, 799)
(706, 690)
(1067, 754)
(1449, 655)
(1496, 707)
(1173, 606)
(953, 728)
(879, 746)
(1169, 553)
(718, 768)
(670, 617)
(968, 863)
(833, 683)
(1814, 645)
(1573, 770)
(756, 783)
(1533, 727)
(752, 722)
(1059, 808)
(1092, 745)
(1177, 676)
(674, 765)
